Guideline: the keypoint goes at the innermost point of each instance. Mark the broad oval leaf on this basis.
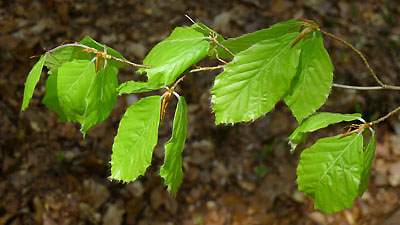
(255, 80)
(51, 97)
(171, 171)
(330, 172)
(31, 81)
(83, 95)
(137, 87)
(312, 83)
(172, 56)
(136, 138)
(369, 155)
(243, 42)
(316, 122)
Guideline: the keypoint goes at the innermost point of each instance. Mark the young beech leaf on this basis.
(88, 41)
(51, 97)
(312, 83)
(330, 172)
(255, 80)
(137, 87)
(62, 55)
(171, 171)
(243, 42)
(172, 56)
(369, 154)
(136, 138)
(31, 81)
(83, 95)
(316, 122)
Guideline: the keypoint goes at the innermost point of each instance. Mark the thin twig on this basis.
(385, 117)
(207, 68)
(385, 87)
(359, 53)
(87, 47)
(214, 39)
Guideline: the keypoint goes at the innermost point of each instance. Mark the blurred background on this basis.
(240, 174)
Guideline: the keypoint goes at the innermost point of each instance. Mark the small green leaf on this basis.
(330, 172)
(244, 42)
(312, 83)
(51, 97)
(136, 138)
(31, 81)
(137, 87)
(369, 154)
(62, 55)
(83, 95)
(171, 171)
(255, 80)
(318, 121)
(88, 41)
(172, 56)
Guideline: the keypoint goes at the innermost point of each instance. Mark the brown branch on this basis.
(385, 87)
(358, 53)
(385, 117)
(87, 47)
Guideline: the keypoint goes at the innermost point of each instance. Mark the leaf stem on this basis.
(87, 47)
(214, 39)
(207, 68)
(358, 53)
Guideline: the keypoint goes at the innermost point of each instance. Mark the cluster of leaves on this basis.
(284, 61)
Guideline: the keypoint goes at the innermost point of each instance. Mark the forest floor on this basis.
(242, 174)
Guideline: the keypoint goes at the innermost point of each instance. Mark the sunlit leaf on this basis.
(136, 138)
(31, 81)
(243, 42)
(312, 83)
(330, 172)
(255, 80)
(171, 171)
(172, 56)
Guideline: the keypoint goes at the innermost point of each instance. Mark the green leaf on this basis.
(137, 87)
(136, 138)
(62, 55)
(330, 172)
(316, 122)
(172, 56)
(171, 171)
(243, 42)
(84, 96)
(51, 97)
(100, 98)
(369, 154)
(31, 81)
(255, 80)
(88, 41)
(312, 83)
